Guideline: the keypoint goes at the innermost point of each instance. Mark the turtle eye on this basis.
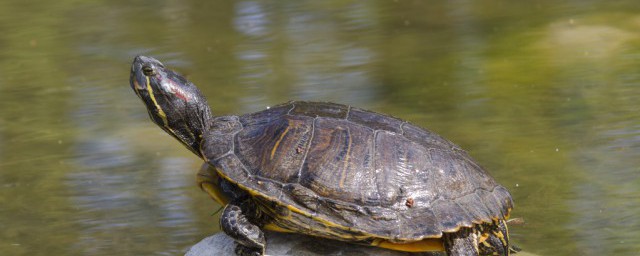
(148, 71)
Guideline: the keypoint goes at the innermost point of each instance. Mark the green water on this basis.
(544, 94)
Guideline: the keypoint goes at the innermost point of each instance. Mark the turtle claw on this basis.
(235, 223)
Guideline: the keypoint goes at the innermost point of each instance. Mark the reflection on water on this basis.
(128, 206)
(543, 94)
(310, 54)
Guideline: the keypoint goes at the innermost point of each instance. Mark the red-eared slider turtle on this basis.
(331, 171)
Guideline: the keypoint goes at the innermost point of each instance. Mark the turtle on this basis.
(330, 170)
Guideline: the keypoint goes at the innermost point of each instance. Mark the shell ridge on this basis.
(374, 161)
(306, 151)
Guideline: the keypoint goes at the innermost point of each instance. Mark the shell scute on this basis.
(348, 173)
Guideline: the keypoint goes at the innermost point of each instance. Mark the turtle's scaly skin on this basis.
(330, 170)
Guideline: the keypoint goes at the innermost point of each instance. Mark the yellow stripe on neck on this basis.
(161, 113)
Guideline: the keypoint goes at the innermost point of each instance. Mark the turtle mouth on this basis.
(134, 80)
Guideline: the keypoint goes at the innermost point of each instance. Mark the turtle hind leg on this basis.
(497, 239)
(237, 221)
(461, 243)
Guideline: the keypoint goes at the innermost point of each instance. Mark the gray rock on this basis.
(292, 244)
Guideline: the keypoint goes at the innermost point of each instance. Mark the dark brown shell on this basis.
(338, 171)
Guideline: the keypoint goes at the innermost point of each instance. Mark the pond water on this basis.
(544, 94)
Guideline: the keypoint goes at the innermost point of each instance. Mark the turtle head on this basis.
(173, 103)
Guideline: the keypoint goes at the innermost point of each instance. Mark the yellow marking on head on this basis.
(165, 122)
(155, 102)
(136, 87)
(275, 147)
(425, 245)
(343, 174)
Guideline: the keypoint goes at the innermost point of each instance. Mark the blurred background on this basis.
(544, 94)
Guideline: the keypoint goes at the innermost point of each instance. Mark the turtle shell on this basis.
(341, 172)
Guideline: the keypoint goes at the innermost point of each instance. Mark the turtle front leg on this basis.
(236, 222)
(461, 243)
